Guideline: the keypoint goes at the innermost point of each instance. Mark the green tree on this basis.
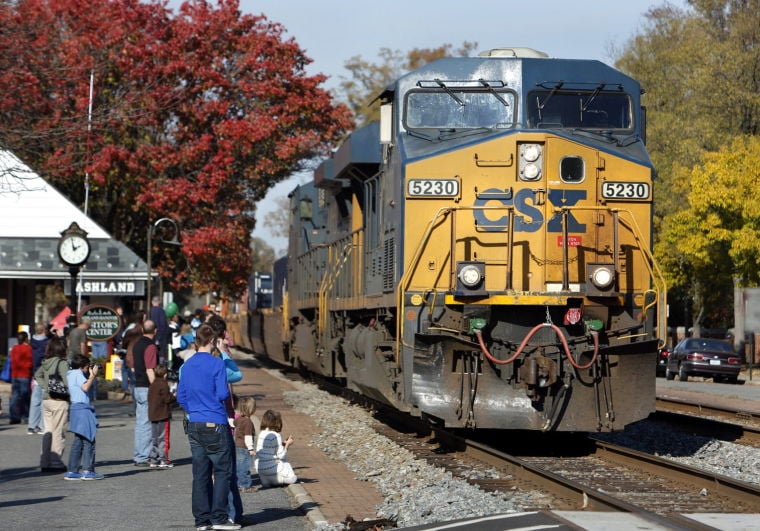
(368, 79)
(262, 255)
(701, 70)
(278, 221)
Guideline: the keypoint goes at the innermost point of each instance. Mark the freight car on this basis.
(481, 256)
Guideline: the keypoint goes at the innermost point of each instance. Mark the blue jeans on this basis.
(127, 379)
(243, 471)
(35, 409)
(143, 435)
(19, 399)
(213, 467)
(82, 451)
(234, 501)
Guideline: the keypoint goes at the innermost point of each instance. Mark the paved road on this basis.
(129, 497)
(744, 396)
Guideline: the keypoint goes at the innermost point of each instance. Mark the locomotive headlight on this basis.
(470, 276)
(531, 152)
(531, 161)
(531, 172)
(602, 277)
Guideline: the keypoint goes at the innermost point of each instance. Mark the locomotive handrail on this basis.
(655, 273)
(407, 276)
(333, 269)
(650, 263)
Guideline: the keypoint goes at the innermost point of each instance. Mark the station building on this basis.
(34, 283)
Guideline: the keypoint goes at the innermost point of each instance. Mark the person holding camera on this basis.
(82, 421)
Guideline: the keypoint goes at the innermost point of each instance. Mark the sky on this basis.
(332, 31)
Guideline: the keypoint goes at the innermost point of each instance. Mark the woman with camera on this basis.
(82, 421)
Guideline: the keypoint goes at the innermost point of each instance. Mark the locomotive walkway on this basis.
(135, 498)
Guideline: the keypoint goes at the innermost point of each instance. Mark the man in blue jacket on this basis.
(202, 392)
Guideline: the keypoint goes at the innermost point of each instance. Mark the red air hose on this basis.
(568, 355)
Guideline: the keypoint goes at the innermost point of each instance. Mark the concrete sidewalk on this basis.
(129, 497)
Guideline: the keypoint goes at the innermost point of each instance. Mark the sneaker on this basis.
(88, 476)
(165, 464)
(144, 464)
(226, 525)
(72, 476)
(153, 464)
(204, 527)
(31, 431)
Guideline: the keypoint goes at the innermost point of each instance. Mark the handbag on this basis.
(57, 389)
(6, 374)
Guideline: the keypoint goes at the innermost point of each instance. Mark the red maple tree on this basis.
(195, 115)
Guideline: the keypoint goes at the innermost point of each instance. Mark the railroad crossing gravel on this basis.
(415, 492)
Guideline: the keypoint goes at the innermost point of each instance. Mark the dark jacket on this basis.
(39, 343)
(160, 400)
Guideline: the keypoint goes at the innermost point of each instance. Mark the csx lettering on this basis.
(529, 218)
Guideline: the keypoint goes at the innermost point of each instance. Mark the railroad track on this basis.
(594, 476)
(739, 427)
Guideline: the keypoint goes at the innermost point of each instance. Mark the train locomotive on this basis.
(481, 256)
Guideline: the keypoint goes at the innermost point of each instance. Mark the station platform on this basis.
(138, 498)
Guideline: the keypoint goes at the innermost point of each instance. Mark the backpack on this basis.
(57, 389)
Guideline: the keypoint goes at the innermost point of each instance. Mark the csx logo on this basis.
(528, 218)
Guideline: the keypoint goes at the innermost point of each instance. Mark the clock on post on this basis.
(74, 250)
(74, 247)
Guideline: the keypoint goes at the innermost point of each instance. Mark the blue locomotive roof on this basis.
(471, 98)
(361, 148)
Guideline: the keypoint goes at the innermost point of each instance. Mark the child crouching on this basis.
(82, 421)
(271, 461)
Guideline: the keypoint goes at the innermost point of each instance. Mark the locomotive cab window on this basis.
(572, 169)
(579, 109)
(454, 108)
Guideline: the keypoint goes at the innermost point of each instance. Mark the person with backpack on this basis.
(55, 408)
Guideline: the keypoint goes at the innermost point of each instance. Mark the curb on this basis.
(307, 505)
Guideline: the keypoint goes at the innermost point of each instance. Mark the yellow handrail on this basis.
(652, 267)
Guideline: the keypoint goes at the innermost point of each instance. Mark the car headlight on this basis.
(602, 277)
(470, 276)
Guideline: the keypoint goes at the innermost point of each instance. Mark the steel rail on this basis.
(725, 424)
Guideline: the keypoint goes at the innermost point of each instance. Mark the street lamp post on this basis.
(174, 241)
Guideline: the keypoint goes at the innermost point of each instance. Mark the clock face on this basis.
(74, 249)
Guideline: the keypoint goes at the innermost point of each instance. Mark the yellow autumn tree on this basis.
(714, 241)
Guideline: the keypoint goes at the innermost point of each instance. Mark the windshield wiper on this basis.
(449, 92)
(496, 95)
(540, 105)
(593, 96)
